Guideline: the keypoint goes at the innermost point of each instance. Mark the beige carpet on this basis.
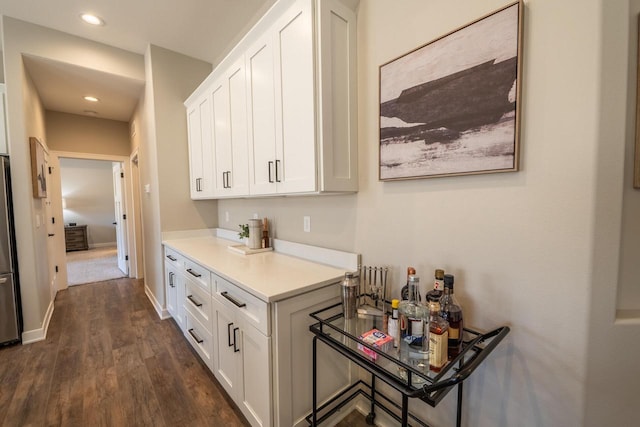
(94, 265)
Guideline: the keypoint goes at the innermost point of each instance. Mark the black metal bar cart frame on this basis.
(341, 335)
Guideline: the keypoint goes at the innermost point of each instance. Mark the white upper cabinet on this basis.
(229, 129)
(201, 165)
(283, 103)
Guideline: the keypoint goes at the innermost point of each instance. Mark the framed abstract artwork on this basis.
(452, 106)
(38, 169)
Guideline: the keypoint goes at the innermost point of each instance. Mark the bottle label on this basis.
(438, 285)
(454, 333)
(438, 347)
(411, 330)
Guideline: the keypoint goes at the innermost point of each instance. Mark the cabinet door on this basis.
(255, 376)
(200, 149)
(295, 100)
(170, 282)
(261, 104)
(227, 334)
(229, 112)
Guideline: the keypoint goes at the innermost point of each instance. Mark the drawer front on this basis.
(174, 258)
(74, 234)
(200, 339)
(251, 308)
(198, 302)
(198, 274)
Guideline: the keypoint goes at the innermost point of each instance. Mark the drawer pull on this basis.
(196, 303)
(233, 300)
(195, 337)
(193, 273)
(229, 325)
(172, 258)
(235, 340)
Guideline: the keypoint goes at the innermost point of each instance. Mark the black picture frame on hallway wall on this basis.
(452, 106)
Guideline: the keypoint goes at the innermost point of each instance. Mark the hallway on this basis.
(108, 360)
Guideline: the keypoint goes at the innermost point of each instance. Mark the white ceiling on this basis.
(203, 29)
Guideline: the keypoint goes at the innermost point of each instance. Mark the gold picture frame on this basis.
(38, 169)
(452, 106)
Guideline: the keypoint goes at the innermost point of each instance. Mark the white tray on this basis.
(244, 250)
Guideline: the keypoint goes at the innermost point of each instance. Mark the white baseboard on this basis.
(39, 334)
(162, 312)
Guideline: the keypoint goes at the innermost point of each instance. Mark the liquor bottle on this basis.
(265, 233)
(414, 325)
(438, 287)
(393, 325)
(452, 312)
(438, 338)
(404, 292)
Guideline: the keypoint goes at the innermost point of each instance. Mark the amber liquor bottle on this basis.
(438, 337)
(452, 313)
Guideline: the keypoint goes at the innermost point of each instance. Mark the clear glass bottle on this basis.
(393, 325)
(414, 324)
(404, 292)
(451, 311)
(438, 287)
(438, 338)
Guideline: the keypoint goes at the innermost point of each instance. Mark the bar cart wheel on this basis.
(370, 418)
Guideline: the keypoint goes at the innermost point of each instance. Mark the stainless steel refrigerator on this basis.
(10, 309)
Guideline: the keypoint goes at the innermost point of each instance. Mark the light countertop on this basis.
(270, 276)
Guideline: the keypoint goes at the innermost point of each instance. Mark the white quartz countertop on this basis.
(270, 276)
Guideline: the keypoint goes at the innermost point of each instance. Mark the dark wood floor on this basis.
(108, 360)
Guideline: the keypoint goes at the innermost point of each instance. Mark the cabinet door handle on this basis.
(229, 325)
(195, 337)
(233, 300)
(193, 273)
(269, 167)
(199, 184)
(235, 340)
(277, 179)
(172, 258)
(196, 303)
(228, 179)
(171, 274)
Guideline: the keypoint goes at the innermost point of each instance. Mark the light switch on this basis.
(147, 188)
(307, 224)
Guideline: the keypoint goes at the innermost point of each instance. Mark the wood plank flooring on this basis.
(108, 360)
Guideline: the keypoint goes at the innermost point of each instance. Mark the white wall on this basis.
(538, 249)
(163, 156)
(81, 134)
(87, 188)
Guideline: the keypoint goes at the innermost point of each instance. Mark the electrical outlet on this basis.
(255, 216)
(226, 216)
(307, 224)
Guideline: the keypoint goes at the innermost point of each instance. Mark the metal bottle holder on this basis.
(373, 291)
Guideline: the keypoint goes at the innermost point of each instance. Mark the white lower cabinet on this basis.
(260, 352)
(174, 287)
(243, 358)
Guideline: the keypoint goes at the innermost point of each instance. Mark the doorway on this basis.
(95, 199)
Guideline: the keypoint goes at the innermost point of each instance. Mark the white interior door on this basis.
(120, 220)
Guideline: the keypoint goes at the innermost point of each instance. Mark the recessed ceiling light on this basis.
(91, 98)
(91, 19)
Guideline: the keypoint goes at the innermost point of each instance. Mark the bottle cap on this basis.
(448, 280)
(395, 303)
(410, 271)
(439, 274)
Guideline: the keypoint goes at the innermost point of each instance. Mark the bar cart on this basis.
(341, 335)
